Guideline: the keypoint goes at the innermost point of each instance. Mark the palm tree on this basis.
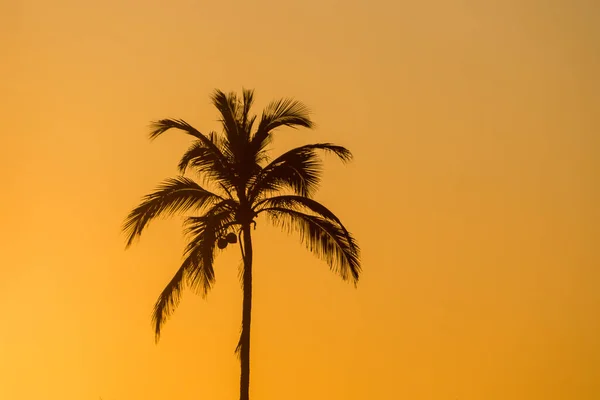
(239, 184)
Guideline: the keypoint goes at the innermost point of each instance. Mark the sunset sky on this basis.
(474, 195)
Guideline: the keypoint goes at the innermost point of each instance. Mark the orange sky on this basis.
(474, 195)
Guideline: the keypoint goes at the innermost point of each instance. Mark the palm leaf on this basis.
(200, 252)
(204, 161)
(298, 169)
(168, 301)
(283, 112)
(228, 107)
(197, 267)
(172, 196)
(324, 238)
(163, 125)
(303, 204)
(248, 101)
(298, 203)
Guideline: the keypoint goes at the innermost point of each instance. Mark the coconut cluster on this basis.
(225, 240)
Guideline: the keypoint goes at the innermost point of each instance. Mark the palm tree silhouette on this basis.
(239, 183)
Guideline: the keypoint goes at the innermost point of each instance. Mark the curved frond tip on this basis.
(167, 302)
(324, 238)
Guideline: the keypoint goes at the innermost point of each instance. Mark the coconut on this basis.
(231, 237)
(222, 243)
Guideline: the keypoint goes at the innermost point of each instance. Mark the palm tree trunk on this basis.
(246, 315)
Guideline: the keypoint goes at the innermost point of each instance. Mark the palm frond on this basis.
(283, 112)
(200, 252)
(168, 301)
(219, 217)
(246, 119)
(303, 204)
(199, 157)
(161, 126)
(228, 107)
(298, 169)
(207, 164)
(300, 173)
(172, 196)
(298, 203)
(197, 267)
(324, 238)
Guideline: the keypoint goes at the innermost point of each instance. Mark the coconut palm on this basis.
(240, 183)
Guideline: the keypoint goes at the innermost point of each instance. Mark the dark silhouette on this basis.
(242, 186)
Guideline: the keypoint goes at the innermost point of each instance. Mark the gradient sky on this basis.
(474, 196)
